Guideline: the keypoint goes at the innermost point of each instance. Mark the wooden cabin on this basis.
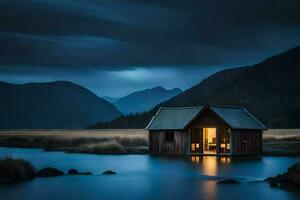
(205, 130)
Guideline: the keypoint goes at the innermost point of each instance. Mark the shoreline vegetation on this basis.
(281, 142)
(276, 142)
(115, 142)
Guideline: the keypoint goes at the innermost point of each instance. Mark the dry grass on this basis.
(81, 141)
(281, 142)
(275, 141)
(281, 133)
(109, 147)
(79, 133)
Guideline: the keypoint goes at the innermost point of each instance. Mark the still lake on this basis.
(147, 177)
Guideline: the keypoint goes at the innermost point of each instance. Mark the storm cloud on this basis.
(101, 36)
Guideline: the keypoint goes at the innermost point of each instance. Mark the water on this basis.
(147, 177)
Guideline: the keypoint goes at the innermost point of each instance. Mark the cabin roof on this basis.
(174, 118)
(178, 118)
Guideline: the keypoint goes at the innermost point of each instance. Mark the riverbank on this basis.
(281, 142)
(276, 142)
(290, 180)
(131, 141)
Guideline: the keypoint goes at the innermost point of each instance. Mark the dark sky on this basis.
(114, 47)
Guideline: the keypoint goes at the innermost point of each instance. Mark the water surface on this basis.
(148, 177)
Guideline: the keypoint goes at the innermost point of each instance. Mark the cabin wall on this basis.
(246, 142)
(158, 145)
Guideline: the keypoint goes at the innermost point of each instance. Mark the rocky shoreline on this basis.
(17, 170)
(289, 180)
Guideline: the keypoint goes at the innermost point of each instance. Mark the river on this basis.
(147, 177)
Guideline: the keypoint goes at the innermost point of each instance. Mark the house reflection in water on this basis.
(210, 164)
(225, 159)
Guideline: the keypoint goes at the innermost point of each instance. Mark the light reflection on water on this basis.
(210, 189)
(147, 177)
(210, 163)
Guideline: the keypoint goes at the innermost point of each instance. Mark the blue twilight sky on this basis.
(117, 47)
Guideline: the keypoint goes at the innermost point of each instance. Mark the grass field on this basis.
(281, 133)
(134, 141)
(281, 142)
(284, 142)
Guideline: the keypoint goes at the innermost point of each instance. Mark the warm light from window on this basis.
(209, 140)
(193, 147)
(210, 165)
(195, 159)
(225, 160)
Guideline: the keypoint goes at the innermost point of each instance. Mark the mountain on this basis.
(110, 99)
(270, 90)
(144, 100)
(54, 105)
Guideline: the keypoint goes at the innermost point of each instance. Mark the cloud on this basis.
(119, 41)
(69, 33)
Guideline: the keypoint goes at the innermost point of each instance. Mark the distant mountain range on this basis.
(110, 99)
(54, 105)
(270, 90)
(144, 100)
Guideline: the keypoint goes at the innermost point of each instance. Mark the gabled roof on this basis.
(237, 117)
(175, 118)
(178, 118)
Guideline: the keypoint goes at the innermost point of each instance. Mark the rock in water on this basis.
(109, 172)
(73, 172)
(229, 181)
(48, 172)
(289, 180)
(86, 173)
(15, 170)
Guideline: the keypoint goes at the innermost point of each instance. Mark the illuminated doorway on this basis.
(209, 141)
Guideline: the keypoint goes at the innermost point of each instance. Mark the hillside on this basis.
(270, 90)
(110, 99)
(55, 105)
(144, 100)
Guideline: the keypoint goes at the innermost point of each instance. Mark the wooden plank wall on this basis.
(193, 131)
(246, 142)
(157, 145)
